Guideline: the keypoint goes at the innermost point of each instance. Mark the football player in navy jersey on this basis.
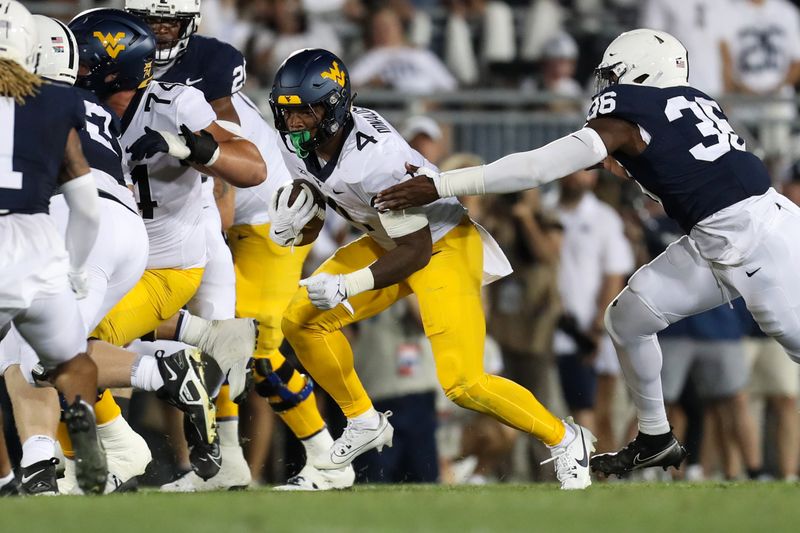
(218, 70)
(38, 266)
(648, 124)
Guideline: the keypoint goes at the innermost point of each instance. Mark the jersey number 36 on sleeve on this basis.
(710, 125)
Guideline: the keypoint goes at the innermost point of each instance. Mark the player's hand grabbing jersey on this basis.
(168, 192)
(369, 162)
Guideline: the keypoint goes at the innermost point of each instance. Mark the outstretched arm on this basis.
(520, 171)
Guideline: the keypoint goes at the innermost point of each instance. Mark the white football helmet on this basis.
(185, 11)
(18, 40)
(644, 57)
(58, 59)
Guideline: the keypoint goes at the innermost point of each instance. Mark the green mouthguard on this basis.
(298, 138)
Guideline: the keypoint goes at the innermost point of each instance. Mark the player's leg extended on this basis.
(676, 284)
(316, 335)
(159, 295)
(266, 279)
(450, 303)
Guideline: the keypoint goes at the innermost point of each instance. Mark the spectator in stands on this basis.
(478, 33)
(524, 307)
(391, 63)
(761, 57)
(595, 261)
(286, 27)
(773, 378)
(699, 26)
(424, 135)
(399, 373)
(557, 74)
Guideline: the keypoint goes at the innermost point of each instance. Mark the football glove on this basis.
(200, 149)
(287, 222)
(325, 291)
(79, 283)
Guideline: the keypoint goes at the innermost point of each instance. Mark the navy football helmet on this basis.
(308, 77)
(117, 47)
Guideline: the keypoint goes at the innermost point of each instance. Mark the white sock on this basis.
(5, 480)
(228, 431)
(368, 420)
(37, 448)
(145, 375)
(318, 445)
(569, 435)
(191, 328)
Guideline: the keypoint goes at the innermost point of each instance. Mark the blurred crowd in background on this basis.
(469, 80)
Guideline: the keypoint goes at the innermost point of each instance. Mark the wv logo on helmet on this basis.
(110, 43)
(334, 74)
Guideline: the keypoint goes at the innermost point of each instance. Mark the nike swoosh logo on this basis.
(172, 375)
(336, 192)
(638, 461)
(751, 274)
(190, 81)
(25, 478)
(585, 461)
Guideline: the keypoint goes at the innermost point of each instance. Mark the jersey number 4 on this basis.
(9, 178)
(710, 125)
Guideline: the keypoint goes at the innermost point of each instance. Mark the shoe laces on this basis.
(565, 469)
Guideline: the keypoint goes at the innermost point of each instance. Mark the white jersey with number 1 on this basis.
(167, 191)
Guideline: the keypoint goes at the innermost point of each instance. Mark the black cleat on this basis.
(91, 469)
(205, 457)
(39, 478)
(11, 488)
(644, 451)
(189, 375)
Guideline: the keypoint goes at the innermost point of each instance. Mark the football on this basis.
(311, 230)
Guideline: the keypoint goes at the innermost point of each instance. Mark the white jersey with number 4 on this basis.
(168, 192)
(372, 158)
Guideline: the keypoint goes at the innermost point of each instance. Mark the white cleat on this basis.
(127, 455)
(234, 474)
(231, 343)
(572, 460)
(356, 440)
(311, 478)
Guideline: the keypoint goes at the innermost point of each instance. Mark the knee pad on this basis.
(275, 382)
(628, 318)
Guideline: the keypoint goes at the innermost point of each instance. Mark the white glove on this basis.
(286, 222)
(325, 291)
(79, 282)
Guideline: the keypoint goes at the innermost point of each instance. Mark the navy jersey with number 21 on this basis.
(694, 163)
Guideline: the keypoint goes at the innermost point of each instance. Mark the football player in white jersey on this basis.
(115, 264)
(436, 252)
(265, 274)
(166, 158)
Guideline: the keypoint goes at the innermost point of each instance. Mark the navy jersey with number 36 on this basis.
(32, 141)
(694, 163)
(214, 67)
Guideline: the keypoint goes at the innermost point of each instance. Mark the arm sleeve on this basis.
(526, 170)
(82, 224)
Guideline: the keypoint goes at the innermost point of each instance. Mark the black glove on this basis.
(148, 145)
(203, 149)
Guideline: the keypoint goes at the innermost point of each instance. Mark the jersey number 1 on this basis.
(710, 125)
(145, 199)
(9, 178)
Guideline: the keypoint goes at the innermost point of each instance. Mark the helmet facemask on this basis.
(326, 127)
(607, 75)
(174, 49)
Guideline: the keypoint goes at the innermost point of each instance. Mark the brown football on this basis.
(311, 230)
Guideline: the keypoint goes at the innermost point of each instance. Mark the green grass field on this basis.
(641, 508)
